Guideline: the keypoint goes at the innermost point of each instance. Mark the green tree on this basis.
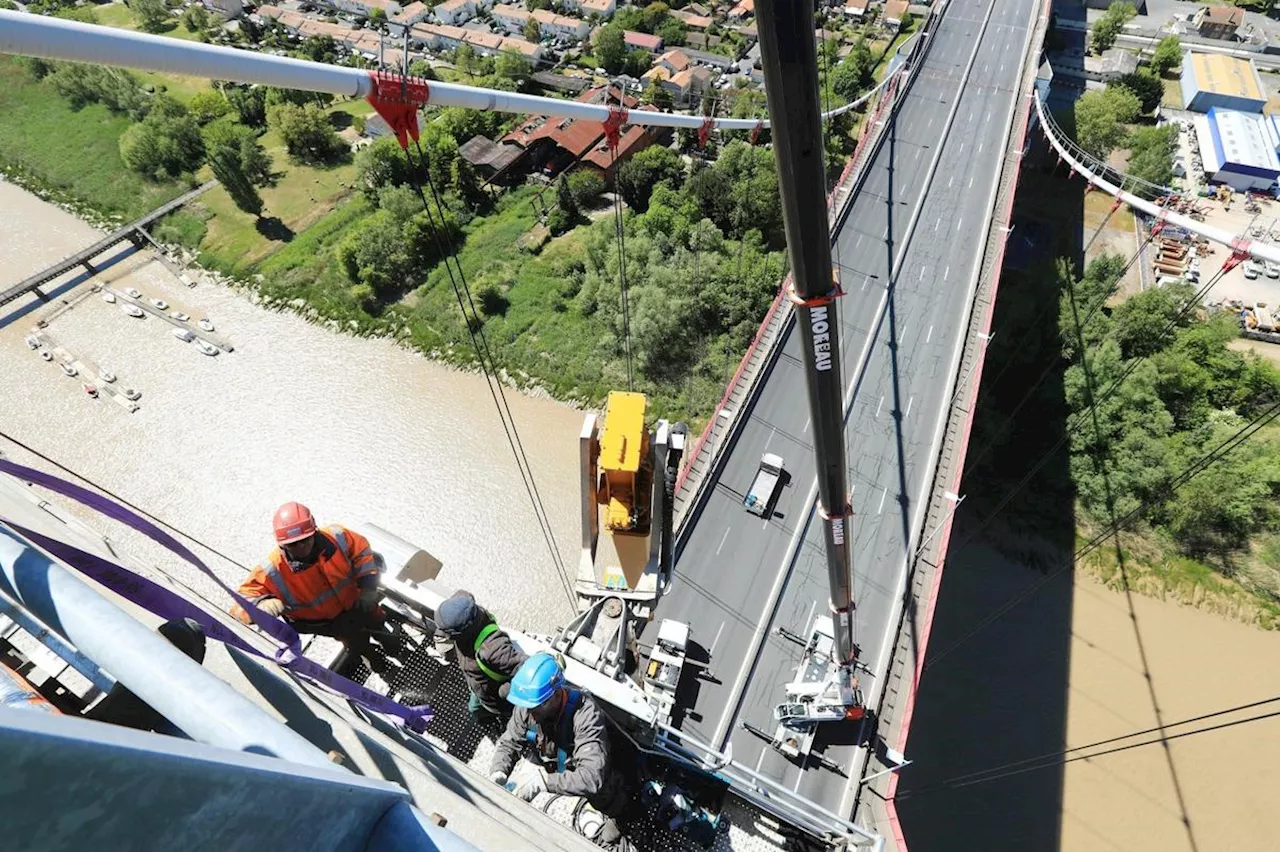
(638, 175)
(306, 131)
(83, 14)
(380, 165)
(854, 73)
(196, 19)
(378, 19)
(465, 59)
(611, 48)
(585, 185)
(658, 96)
(1100, 119)
(532, 31)
(512, 65)
(254, 161)
(1167, 55)
(299, 97)
(1152, 151)
(248, 102)
(1110, 25)
(229, 170)
(672, 31)
(153, 15)
(165, 144)
(565, 200)
(1147, 89)
(637, 62)
(376, 254)
(422, 68)
(466, 184)
(1145, 324)
(207, 105)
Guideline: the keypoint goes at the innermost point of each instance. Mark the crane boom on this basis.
(788, 54)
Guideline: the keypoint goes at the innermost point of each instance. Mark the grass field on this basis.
(119, 15)
(84, 164)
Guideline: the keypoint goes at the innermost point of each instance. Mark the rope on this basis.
(996, 772)
(479, 343)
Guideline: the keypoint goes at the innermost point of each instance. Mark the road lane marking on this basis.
(929, 336)
(773, 430)
(980, 144)
(922, 269)
(722, 540)
(970, 183)
(937, 223)
(910, 400)
(958, 221)
(945, 273)
(950, 181)
(807, 421)
(714, 642)
(884, 494)
(878, 407)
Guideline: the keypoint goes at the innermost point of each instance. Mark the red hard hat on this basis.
(293, 522)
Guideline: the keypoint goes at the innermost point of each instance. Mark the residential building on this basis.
(856, 9)
(895, 13)
(1113, 63)
(229, 9)
(674, 61)
(1225, 82)
(443, 37)
(552, 144)
(744, 9)
(412, 14)
(692, 21)
(633, 140)
(454, 12)
(561, 82)
(1218, 22)
(364, 7)
(701, 57)
(642, 41)
(586, 8)
(490, 159)
(1239, 148)
(550, 25)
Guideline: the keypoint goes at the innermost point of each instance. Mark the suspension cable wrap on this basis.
(167, 604)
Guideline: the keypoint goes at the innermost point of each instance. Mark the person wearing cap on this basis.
(487, 656)
(570, 742)
(321, 580)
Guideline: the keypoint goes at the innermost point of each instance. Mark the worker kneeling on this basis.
(570, 739)
(487, 656)
(320, 580)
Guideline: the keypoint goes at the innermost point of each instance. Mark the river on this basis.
(358, 429)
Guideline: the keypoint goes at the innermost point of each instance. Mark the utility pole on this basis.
(789, 57)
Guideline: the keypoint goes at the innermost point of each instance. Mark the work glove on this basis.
(368, 601)
(499, 778)
(271, 606)
(531, 788)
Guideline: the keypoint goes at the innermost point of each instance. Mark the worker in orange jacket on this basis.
(320, 580)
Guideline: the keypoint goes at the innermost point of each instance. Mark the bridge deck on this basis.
(85, 255)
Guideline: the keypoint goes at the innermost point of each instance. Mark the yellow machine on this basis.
(628, 485)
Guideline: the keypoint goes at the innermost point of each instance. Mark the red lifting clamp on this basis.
(817, 301)
(397, 99)
(704, 132)
(613, 126)
(756, 131)
(1239, 253)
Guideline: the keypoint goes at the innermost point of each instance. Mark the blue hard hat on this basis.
(536, 680)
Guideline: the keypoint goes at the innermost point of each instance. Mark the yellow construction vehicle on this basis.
(628, 473)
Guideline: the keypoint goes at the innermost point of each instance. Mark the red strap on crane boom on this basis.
(397, 99)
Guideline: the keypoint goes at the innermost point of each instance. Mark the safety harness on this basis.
(487, 631)
(571, 702)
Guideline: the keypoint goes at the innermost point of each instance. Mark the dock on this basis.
(85, 256)
(87, 371)
(145, 305)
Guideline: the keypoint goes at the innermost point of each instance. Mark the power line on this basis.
(1060, 758)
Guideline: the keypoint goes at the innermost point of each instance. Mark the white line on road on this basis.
(961, 149)
(929, 336)
(806, 423)
(759, 760)
(970, 183)
(859, 241)
(980, 144)
(910, 400)
(882, 496)
(950, 181)
(922, 269)
(722, 540)
(946, 272)
(958, 221)
(878, 407)
(772, 431)
(711, 653)
(937, 223)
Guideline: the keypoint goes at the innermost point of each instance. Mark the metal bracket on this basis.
(397, 99)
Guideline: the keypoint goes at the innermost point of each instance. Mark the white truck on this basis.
(764, 488)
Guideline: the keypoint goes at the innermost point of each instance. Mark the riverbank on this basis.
(1069, 662)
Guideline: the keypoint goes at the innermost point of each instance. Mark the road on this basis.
(904, 330)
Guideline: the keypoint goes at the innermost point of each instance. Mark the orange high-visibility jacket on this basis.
(321, 591)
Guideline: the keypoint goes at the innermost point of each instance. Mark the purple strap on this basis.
(169, 605)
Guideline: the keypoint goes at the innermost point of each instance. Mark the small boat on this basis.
(132, 292)
(206, 347)
(106, 375)
(33, 341)
(69, 370)
(130, 393)
(131, 310)
(206, 325)
(184, 334)
(91, 390)
(180, 316)
(161, 304)
(46, 354)
(109, 298)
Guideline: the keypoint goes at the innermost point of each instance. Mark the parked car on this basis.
(1273, 269)
(1252, 269)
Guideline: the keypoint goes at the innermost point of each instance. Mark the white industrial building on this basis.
(1239, 148)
